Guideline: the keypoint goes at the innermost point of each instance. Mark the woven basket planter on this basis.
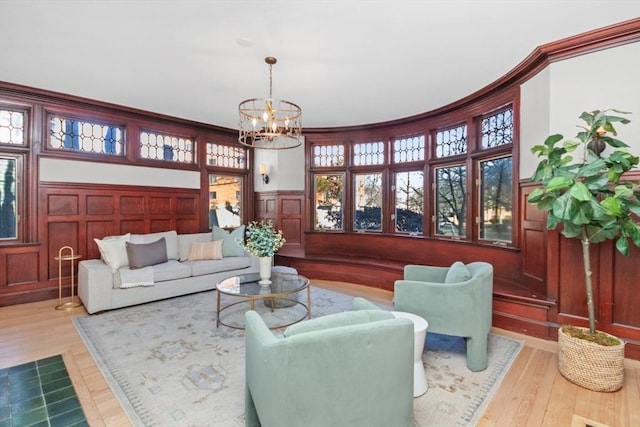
(590, 365)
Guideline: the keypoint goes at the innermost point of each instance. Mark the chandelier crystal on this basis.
(272, 124)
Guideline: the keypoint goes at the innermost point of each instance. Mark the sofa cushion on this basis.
(205, 250)
(113, 250)
(146, 254)
(170, 237)
(346, 318)
(230, 246)
(186, 240)
(198, 268)
(169, 270)
(458, 272)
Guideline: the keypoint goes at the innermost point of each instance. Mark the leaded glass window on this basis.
(172, 148)
(451, 141)
(368, 202)
(497, 129)
(368, 153)
(8, 197)
(451, 200)
(225, 201)
(12, 127)
(328, 155)
(409, 206)
(85, 136)
(409, 149)
(226, 156)
(328, 204)
(496, 199)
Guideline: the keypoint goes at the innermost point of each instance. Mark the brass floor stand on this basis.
(66, 254)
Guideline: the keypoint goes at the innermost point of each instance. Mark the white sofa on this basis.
(100, 284)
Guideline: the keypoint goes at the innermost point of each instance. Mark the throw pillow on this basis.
(229, 245)
(458, 272)
(206, 250)
(146, 254)
(113, 251)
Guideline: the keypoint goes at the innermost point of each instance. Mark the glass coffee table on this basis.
(281, 293)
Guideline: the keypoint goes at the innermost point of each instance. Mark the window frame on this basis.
(469, 117)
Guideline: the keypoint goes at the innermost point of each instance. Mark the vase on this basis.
(590, 365)
(265, 270)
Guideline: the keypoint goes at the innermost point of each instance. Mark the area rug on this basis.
(168, 364)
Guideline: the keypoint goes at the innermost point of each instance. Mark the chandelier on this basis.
(269, 123)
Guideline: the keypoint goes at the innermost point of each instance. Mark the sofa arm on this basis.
(95, 285)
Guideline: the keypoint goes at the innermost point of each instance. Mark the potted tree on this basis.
(593, 201)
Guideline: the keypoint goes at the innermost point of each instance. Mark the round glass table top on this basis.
(247, 284)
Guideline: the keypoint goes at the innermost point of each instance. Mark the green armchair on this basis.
(455, 300)
(349, 369)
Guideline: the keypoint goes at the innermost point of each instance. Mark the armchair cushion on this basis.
(458, 272)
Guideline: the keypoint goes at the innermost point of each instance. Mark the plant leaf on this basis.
(612, 205)
(580, 192)
(559, 183)
(622, 245)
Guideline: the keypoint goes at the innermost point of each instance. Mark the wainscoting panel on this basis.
(21, 267)
(285, 210)
(72, 214)
(61, 234)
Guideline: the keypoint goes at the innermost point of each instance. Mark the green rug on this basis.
(39, 393)
(168, 364)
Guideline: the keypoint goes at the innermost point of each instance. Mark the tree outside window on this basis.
(496, 199)
(8, 212)
(451, 200)
(409, 206)
(368, 202)
(329, 190)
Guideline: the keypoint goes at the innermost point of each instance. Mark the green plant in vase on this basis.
(263, 241)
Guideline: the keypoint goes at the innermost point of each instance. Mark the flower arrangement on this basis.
(262, 240)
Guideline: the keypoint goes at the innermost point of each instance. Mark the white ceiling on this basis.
(345, 62)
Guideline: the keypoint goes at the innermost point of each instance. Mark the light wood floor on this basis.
(532, 394)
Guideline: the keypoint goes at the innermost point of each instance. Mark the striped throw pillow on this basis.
(206, 250)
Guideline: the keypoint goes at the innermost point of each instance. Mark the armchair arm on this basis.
(425, 273)
(360, 303)
(437, 301)
(347, 318)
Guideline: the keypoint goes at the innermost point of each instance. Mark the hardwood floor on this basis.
(533, 393)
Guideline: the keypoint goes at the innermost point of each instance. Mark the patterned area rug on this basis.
(168, 364)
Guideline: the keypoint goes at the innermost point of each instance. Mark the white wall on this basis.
(552, 101)
(286, 169)
(534, 119)
(56, 170)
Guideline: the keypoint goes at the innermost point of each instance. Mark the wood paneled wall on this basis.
(73, 215)
(285, 209)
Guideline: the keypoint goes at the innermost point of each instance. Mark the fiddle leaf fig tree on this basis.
(589, 197)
